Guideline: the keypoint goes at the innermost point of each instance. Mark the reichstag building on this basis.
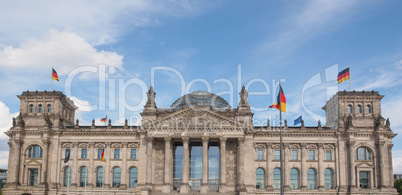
(200, 145)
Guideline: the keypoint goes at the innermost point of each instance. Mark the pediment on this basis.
(365, 165)
(33, 163)
(192, 118)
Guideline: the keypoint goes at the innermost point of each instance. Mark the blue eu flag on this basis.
(298, 120)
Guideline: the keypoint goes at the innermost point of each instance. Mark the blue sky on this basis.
(107, 54)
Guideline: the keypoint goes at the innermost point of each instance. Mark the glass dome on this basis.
(200, 98)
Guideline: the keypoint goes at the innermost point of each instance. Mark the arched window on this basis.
(362, 153)
(349, 108)
(133, 177)
(49, 108)
(99, 176)
(116, 177)
(40, 108)
(311, 178)
(31, 108)
(329, 178)
(260, 178)
(277, 178)
(67, 176)
(368, 109)
(83, 176)
(35, 151)
(359, 109)
(294, 178)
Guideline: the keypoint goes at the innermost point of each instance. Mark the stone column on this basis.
(269, 170)
(383, 165)
(240, 164)
(185, 188)
(107, 177)
(168, 166)
(390, 164)
(320, 167)
(74, 167)
(352, 171)
(303, 170)
(124, 171)
(43, 180)
(286, 171)
(149, 160)
(204, 186)
(222, 186)
(91, 168)
(13, 163)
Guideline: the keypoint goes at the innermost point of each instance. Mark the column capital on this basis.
(205, 139)
(107, 144)
(380, 143)
(223, 139)
(390, 146)
(185, 139)
(150, 139)
(351, 143)
(124, 144)
(91, 144)
(75, 144)
(303, 145)
(320, 145)
(167, 139)
(240, 140)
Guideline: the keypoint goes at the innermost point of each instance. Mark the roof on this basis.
(200, 98)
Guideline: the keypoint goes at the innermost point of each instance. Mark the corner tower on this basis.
(46, 108)
(348, 109)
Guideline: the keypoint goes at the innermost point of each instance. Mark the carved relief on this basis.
(159, 161)
(231, 164)
(133, 145)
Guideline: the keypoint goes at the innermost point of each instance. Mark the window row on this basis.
(294, 154)
(295, 178)
(40, 108)
(359, 109)
(362, 153)
(116, 153)
(100, 179)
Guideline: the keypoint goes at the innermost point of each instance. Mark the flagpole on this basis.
(281, 147)
(68, 179)
(350, 80)
(86, 179)
(51, 78)
(103, 179)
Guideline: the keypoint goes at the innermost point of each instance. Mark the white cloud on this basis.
(397, 161)
(99, 22)
(5, 121)
(3, 159)
(63, 50)
(392, 109)
(83, 106)
(313, 18)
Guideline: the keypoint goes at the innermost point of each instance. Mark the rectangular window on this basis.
(83, 153)
(133, 154)
(260, 155)
(311, 155)
(364, 179)
(277, 155)
(116, 153)
(100, 151)
(294, 155)
(328, 155)
(33, 177)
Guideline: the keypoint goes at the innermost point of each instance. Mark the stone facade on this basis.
(171, 151)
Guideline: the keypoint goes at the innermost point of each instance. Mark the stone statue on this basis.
(319, 123)
(14, 122)
(302, 123)
(377, 123)
(20, 122)
(388, 124)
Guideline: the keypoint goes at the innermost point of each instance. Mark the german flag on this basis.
(54, 75)
(104, 119)
(103, 156)
(282, 99)
(343, 75)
